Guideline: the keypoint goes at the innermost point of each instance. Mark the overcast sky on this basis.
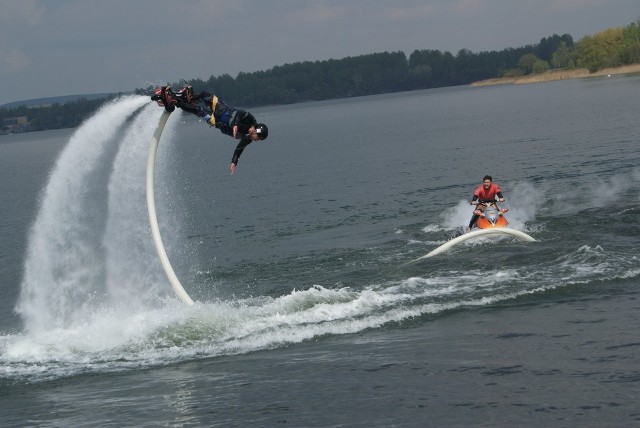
(68, 47)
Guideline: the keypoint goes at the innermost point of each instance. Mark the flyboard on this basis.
(474, 234)
(153, 218)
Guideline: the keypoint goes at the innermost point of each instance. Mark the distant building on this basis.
(15, 125)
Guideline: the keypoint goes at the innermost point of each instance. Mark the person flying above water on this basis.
(231, 121)
(486, 192)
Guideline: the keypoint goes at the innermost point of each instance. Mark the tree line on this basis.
(424, 69)
(383, 72)
(56, 116)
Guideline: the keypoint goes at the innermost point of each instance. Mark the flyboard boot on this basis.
(165, 97)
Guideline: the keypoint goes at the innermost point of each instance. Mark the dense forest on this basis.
(380, 73)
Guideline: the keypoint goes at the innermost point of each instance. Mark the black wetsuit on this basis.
(224, 118)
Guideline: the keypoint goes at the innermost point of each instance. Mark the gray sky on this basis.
(65, 47)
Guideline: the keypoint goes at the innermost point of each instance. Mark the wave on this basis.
(114, 339)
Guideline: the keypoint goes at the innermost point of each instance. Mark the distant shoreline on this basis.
(553, 75)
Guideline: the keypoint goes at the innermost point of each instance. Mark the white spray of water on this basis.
(524, 202)
(131, 281)
(64, 265)
(594, 192)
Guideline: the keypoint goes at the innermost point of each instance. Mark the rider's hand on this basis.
(501, 200)
(474, 202)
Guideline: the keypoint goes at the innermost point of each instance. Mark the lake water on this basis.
(306, 312)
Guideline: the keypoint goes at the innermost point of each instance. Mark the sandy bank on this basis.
(559, 75)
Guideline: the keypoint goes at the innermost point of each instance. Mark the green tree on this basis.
(549, 45)
(561, 57)
(630, 47)
(526, 63)
(600, 50)
(540, 66)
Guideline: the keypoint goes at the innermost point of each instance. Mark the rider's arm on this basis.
(244, 142)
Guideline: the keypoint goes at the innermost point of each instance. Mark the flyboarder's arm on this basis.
(238, 151)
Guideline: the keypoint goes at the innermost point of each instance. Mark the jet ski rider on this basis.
(486, 192)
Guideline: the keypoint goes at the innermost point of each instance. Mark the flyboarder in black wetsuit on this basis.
(236, 123)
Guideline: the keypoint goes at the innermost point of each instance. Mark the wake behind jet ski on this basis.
(491, 221)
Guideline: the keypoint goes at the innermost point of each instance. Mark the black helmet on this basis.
(262, 131)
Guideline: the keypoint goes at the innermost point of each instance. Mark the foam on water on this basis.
(116, 339)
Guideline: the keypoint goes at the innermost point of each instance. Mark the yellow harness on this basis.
(214, 102)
